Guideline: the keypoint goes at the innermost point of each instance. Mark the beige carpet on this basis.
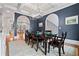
(20, 48)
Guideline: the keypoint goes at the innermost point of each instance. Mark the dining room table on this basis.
(47, 38)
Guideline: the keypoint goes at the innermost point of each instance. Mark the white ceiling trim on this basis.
(24, 12)
(56, 9)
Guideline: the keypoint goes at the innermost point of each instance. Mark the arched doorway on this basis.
(23, 24)
(52, 23)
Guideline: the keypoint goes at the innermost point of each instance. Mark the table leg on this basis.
(37, 45)
(45, 47)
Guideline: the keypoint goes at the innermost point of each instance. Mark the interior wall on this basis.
(34, 25)
(73, 30)
(41, 20)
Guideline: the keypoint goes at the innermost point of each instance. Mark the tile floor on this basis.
(20, 48)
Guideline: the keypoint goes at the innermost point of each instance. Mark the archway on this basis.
(23, 24)
(52, 23)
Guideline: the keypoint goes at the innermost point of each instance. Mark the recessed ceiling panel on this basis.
(32, 9)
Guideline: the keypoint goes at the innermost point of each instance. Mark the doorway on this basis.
(23, 24)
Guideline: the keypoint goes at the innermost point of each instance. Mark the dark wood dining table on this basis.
(47, 37)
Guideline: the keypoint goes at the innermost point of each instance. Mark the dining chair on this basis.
(58, 42)
(33, 39)
(38, 39)
(41, 39)
(27, 37)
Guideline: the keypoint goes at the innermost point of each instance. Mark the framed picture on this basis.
(71, 20)
(41, 24)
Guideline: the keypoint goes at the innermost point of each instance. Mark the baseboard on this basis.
(72, 42)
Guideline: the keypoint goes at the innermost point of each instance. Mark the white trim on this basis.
(59, 8)
(72, 41)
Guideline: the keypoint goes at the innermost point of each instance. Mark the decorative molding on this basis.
(59, 8)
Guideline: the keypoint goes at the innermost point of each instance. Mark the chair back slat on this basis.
(64, 34)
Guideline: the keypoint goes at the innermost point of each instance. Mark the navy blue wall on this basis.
(41, 20)
(33, 25)
(73, 30)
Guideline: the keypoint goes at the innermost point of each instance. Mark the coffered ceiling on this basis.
(33, 9)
